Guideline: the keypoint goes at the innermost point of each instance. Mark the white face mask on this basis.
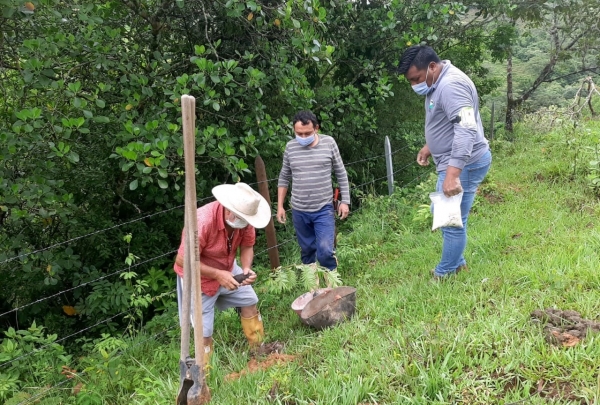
(237, 223)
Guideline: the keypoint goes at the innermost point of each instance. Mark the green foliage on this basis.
(592, 152)
(310, 277)
(423, 216)
(91, 120)
(282, 279)
(31, 356)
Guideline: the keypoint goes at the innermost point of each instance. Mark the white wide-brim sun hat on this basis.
(244, 202)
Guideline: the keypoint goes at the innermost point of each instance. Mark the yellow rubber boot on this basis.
(253, 329)
(208, 351)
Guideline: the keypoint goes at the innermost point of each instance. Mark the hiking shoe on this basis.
(453, 273)
(464, 267)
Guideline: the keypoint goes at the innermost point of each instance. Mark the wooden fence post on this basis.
(389, 166)
(263, 188)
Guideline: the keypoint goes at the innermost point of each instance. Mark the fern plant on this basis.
(309, 276)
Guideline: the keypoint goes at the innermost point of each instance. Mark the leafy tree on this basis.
(91, 131)
(572, 44)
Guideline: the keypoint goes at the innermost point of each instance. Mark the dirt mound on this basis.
(267, 348)
(565, 328)
(255, 365)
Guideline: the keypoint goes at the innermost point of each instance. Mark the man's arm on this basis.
(281, 193)
(224, 277)
(282, 186)
(423, 156)
(451, 185)
(459, 106)
(246, 258)
(342, 178)
(458, 102)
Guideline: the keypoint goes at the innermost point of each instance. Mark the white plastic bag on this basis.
(446, 210)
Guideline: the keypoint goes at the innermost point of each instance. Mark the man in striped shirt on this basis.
(308, 161)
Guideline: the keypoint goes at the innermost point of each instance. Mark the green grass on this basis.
(534, 242)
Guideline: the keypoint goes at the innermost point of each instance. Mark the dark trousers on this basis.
(316, 233)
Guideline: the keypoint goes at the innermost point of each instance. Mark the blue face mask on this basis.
(305, 141)
(422, 89)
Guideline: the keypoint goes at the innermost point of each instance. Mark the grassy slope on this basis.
(533, 243)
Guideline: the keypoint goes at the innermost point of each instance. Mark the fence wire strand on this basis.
(173, 251)
(10, 259)
(426, 172)
(376, 157)
(78, 375)
(263, 181)
(88, 282)
(404, 167)
(40, 349)
(273, 247)
(81, 374)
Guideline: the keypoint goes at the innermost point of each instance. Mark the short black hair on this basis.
(305, 117)
(418, 55)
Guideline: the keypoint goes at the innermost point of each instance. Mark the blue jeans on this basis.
(455, 239)
(315, 232)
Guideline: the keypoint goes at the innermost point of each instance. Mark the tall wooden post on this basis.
(263, 189)
(389, 166)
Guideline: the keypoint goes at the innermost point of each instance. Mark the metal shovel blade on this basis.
(184, 385)
(193, 389)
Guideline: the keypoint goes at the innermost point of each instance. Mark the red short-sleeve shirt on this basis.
(212, 239)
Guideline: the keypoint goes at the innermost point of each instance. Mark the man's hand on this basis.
(225, 279)
(423, 156)
(250, 279)
(451, 185)
(343, 210)
(281, 217)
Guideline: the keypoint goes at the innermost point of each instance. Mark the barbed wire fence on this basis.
(175, 250)
(75, 375)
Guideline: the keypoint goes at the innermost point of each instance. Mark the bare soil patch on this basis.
(255, 365)
(564, 328)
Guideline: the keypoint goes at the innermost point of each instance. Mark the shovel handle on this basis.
(187, 106)
(193, 249)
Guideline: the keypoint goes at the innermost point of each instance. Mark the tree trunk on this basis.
(510, 100)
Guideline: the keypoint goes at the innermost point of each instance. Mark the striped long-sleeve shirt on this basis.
(310, 169)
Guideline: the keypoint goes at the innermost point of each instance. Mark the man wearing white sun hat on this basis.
(224, 226)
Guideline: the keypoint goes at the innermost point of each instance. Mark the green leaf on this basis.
(216, 106)
(23, 115)
(100, 103)
(101, 119)
(73, 157)
(133, 185)
(296, 23)
(162, 184)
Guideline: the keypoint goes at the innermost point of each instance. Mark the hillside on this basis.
(534, 244)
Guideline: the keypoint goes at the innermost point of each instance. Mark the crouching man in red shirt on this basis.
(224, 226)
